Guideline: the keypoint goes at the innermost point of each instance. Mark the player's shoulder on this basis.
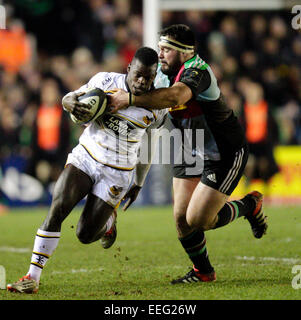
(107, 80)
(196, 62)
(197, 72)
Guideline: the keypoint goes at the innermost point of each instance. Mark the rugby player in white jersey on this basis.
(102, 166)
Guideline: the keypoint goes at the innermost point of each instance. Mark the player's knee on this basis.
(182, 225)
(208, 225)
(84, 236)
(201, 223)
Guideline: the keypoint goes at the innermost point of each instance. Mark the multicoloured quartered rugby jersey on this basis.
(206, 110)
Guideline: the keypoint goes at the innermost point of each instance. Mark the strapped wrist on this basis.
(132, 99)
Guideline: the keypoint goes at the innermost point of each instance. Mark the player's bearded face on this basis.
(170, 60)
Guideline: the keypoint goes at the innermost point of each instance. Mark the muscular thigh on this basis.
(204, 205)
(95, 214)
(182, 192)
(219, 179)
(72, 186)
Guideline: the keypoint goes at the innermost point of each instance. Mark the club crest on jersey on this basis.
(115, 190)
(147, 120)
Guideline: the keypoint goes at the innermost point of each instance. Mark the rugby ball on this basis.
(97, 100)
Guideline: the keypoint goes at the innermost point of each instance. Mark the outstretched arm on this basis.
(161, 98)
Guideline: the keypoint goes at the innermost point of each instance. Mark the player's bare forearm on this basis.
(131, 196)
(161, 98)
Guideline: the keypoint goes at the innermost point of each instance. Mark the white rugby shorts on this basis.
(110, 184)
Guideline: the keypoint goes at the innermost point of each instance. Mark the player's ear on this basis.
(128, 68)
(154, 76)
(155, 73)
(183, 56)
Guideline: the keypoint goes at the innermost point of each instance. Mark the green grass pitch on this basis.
(147, 255)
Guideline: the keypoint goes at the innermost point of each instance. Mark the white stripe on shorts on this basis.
(232, 172)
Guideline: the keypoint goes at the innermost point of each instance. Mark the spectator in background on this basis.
(249, 65)
(260, 133)
(234, 40)
(50, 141)
(217, 47)
(278, 30)
(295, 55)
(9, 129)
(258, 29)
(83, 64)
(15, 49)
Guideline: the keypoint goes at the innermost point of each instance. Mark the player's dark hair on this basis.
(179, 32)
(147, 56)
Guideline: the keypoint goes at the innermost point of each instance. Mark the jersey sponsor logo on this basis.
(120, 127)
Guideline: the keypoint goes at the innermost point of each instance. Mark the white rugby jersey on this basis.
(114, 140)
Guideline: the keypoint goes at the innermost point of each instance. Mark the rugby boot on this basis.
(256, 218)
(195, 276)
(24, 285)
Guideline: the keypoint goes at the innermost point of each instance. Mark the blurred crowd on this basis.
(52, 47)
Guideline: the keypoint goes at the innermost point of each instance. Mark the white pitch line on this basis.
(85, 270)
(272, 259)
(82, 270)
(15, 250)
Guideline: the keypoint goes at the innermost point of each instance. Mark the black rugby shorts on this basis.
(222, 175)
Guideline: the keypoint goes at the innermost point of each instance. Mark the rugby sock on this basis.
(44, 245)
(195, 246)
(233, 210)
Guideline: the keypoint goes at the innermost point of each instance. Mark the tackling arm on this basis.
(192, 82)
(161, 98)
